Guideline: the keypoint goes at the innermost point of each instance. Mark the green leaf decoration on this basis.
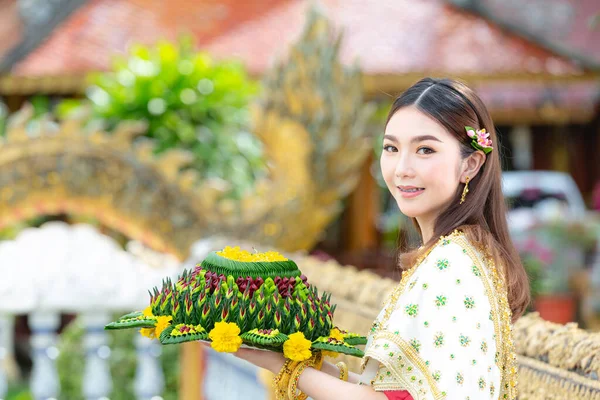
(255, 269)
(132, 320)
(264, 338)
(330, 344)
(354, 339)
(134, 314)
(182, 333)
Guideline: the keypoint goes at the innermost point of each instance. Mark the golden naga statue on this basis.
(311, 118)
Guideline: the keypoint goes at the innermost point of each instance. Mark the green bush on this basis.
(189, 101)
(71, 364)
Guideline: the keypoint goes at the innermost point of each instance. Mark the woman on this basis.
(445, 332)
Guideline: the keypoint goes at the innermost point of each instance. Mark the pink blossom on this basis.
(471, 133)
(482, 132)
(484, 142)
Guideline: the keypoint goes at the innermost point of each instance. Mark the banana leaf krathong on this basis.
(236, 298)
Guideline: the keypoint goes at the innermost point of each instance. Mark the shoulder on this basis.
(455, 272)
(456, 255)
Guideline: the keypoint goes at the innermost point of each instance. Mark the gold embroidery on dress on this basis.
(502, 317)
(377, 330)
(501, 314)
(406, 275)
(405, 369)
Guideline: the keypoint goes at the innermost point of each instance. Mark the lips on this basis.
(410, 189)
(410, 192)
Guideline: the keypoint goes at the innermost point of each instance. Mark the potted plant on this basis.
(549, 274)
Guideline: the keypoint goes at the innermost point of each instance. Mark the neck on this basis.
(426, 226)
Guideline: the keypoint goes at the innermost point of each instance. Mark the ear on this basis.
(471, 165)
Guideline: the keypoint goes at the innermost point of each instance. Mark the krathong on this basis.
(236, 298)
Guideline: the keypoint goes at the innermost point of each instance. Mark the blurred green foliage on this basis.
(11, 232)
(19, 392)
(189, 101)
(535, 268)
(123, 359)
(3, 117)
(553, 251)
(41, 106)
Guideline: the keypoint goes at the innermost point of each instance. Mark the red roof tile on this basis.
(392, 37)
(396, 37)
(97, 31)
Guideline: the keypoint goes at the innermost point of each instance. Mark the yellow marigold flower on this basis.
(148, 312)
(225, 337)
(236, 254)
(162, 323)
(336, 334)
(331, 354)
(297, 347)
(148, 332)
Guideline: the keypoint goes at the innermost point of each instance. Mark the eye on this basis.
(389, 148)
(425, 150)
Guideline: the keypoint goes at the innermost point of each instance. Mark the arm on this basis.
(319, 385)
(331, 369)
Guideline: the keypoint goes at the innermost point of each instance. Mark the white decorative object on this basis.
(149, 378)
(44, 377)
(72, 268)
(97, 381)
(17, 291)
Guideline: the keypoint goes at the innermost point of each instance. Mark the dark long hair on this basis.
(483, 214)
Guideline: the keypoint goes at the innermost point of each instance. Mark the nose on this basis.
(404, 168)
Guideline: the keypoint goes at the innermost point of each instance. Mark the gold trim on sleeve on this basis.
(413, 357)
(501, 314)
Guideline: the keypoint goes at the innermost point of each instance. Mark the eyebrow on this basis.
(416, 139)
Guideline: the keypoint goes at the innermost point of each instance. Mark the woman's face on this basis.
(420, 163)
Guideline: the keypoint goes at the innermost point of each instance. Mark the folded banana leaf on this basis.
(132, 320)
(330, 344)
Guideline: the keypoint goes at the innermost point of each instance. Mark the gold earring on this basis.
(465, 191)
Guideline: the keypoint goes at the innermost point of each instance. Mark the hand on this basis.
(269, 360)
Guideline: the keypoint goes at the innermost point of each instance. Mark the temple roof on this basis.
(395, 37)
(396, 43)
(399, 37)
(98, 30)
